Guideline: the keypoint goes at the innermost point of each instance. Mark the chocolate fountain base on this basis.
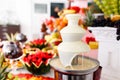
(61, 73)
(63, 76)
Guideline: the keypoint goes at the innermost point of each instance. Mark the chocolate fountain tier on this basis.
(72, 44)
(72, 32)
(75, 47)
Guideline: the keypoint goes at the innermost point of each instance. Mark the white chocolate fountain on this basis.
(72, 44)
(71, 63)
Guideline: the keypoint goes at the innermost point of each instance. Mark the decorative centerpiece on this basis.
(71, 64)
(37, 63)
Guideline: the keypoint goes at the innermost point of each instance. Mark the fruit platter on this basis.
(26, 76)
(32, 57)
(37, 63)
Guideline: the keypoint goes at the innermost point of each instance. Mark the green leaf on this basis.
(7, 36)
(1, 60)
(3, 69)
(89, 18)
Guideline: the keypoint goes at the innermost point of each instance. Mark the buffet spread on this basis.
(69, 49)
(35, 56)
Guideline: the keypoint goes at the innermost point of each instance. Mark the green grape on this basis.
(114, 6)
(109, 12)
(104, 2)
(95, 0)
(109, 6)
(118, 2)
(114, 0)
(106, 13)
(98, 3)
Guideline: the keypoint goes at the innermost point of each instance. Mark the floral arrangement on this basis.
(38, 63)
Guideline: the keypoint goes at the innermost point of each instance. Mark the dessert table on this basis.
(105, 75)
(52, 71)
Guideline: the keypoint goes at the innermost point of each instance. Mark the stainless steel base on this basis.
(61, 76)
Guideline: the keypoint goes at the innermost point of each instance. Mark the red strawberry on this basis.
(57, 43)
(77, 9)
(88, 39)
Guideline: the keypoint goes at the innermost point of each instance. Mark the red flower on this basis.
(57, 42)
